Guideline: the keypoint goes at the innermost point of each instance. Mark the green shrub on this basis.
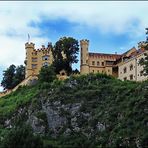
(21, 137)
(47, 74)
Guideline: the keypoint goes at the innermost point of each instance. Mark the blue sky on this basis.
(109, 26)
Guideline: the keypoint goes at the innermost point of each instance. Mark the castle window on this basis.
(109, 62)
(98, 63)
(45, 64)
(86, 61)
(98, 71)
(131, 77)
(34, 66)
(102, 63)
(93, 71)
(141, 73)
(34, 59)
(131, 67)
(63, 73)
(93, 62)
(46, 57)
(125, 78)
(124, 70)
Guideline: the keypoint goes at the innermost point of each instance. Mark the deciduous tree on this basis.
(144, 63)
(47, 74)
(65, 54)
(12, 76)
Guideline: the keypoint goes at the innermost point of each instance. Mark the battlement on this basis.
(29, 45)
(84, 41)
(142, 44)
(41, 50)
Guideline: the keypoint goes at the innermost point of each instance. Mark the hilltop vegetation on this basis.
(84, 111)
(12, 76)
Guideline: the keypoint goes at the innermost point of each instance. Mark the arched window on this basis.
(34, 59)
(124, 70)
(131, 77)
(98, 63)
(34, 66)
(131, 67)
(93, 62)
(46, 57)
(141, 73)
(125, 78)
(45, 64)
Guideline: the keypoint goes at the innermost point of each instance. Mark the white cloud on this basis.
(1, 89)
(109, 17)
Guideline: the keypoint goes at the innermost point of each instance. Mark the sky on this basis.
(110, 26)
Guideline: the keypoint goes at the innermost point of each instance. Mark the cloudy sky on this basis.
(110, 26)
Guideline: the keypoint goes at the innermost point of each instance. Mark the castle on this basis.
(123, 66)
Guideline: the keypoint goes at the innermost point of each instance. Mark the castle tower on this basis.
(28, 61)
(84, 66)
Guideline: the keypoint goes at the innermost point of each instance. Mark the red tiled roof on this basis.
(133, 48)
(137, 52)
(103, 55)
(117, 57)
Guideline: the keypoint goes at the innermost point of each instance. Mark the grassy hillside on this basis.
(86, 111)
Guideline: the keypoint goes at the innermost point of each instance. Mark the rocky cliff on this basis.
(85, 111)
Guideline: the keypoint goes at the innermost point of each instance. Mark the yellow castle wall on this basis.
(136, 71)
(37, 58)
(125, 74)
(99, 65)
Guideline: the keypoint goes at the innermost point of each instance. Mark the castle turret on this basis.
(28, 61)
(84, 66)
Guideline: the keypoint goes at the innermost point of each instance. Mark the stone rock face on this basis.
(57, 118)
(36, 124)
(62, 119)
(55, 121)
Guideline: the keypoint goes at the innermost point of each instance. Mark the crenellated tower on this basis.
(28, 61)
(84, 65)
(37, 58)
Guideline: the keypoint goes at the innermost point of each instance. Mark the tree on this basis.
(19, 74)
(144, 63)
(76, 71)
(8, 76)
(12, 76)
(21, 137)
(65, 54)
(47, 74)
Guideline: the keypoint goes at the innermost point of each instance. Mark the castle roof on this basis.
(137, 52)
(103, 55)
(129, 52)
(134, 52)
